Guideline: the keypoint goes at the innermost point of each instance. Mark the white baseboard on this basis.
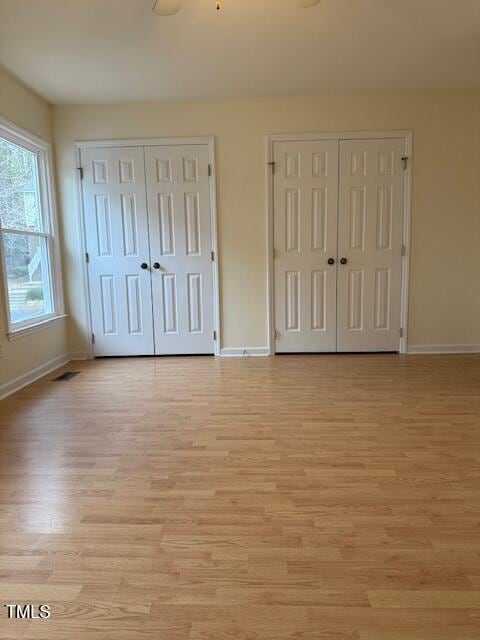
(78, 355)
(443, 348)
(27, 378)
(238, 352)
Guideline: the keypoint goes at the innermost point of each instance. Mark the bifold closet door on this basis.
(305, 245)
(338, 226)
(179, 209)
(370, 224)
(116, 224)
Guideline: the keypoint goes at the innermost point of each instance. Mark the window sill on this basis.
(15, 334)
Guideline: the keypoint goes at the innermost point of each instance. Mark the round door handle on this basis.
(343, 261)
(331, 261)
(144, 265)
(156, 265)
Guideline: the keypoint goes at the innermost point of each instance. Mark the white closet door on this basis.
(371, 204)
(178, 195)
(116, 225)
(305, 238)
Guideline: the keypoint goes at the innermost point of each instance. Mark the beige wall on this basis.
(24, 108)
(445, 265)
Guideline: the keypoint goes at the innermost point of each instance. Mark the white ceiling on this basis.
(86, 51)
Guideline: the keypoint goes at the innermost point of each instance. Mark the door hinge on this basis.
(209, 170)
(405, 162)
(401, 332)
(215, 336)
(80, 171)
(87, 257)
(272, 164)
(93, 338)
(212, 255)
(404, 250)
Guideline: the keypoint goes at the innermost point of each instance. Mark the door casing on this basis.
(407, 136)
(208, 141)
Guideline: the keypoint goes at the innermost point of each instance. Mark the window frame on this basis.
(46, 190)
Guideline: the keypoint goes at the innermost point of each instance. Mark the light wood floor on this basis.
(299, 497)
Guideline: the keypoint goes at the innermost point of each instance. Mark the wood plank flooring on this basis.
(296, 497)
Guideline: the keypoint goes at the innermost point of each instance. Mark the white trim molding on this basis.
(407, 136)
(27, 378)
(209, 142)
(29, 139)
(244, 352)
(442, 348)
(79, 355)
(33, 328)
(144, 142)
(339, 135)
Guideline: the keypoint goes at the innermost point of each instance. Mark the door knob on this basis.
(331, 261)
(156, 265)
(343, 261)
(144, 265)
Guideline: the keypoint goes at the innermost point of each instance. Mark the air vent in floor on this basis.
(68, 375)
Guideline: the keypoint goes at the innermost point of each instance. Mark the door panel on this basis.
(305, 236)
(370, 223)
(116, 225)
(178, 195)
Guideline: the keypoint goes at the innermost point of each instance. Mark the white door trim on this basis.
(208, 141)
(144, 142)
(407, 136)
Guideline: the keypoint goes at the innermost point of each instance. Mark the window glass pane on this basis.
(19, 193)
(29, 289)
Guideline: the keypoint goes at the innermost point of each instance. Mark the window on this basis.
(30, 260)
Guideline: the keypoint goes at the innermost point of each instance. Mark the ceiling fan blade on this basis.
(306, 3)
(166, 7)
